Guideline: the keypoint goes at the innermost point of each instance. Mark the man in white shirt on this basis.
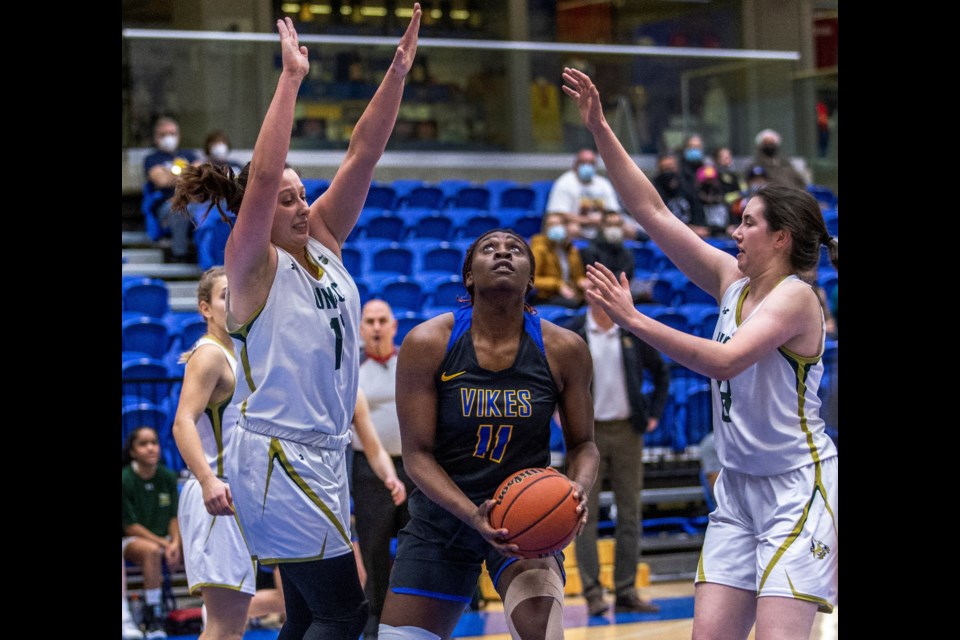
(622, 414)
(585, 195)
(377, 518)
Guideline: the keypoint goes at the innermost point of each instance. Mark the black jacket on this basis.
(638, 357)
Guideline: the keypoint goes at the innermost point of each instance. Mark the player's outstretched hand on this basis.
(295, 59)
(578, 86)
(407, 49)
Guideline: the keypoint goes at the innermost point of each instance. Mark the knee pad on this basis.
(389, 632)
(536, 583)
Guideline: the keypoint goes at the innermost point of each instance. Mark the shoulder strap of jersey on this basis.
(462, 318)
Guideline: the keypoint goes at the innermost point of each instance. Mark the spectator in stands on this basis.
(608, 247)
(559, 274)
(217, 149)
(679, 197)
(622, 414)
(150, 534)
(128, 626)
(710, 192)
(162, 169)
(730, 183)
(777, 167)
(215, 554)
(691, 159)
(582, 193)
(378, 513)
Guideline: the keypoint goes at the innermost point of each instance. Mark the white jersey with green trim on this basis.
(299, 355)
(219, 418)
(767, 418)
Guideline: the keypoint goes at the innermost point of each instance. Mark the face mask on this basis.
(589, 232)
(613, 235)
(219, 151)
(557, 233)
(169, 142)
(693, 155)
(586, 172)
(769, 150)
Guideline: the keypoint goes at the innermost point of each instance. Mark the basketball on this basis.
(538, 509)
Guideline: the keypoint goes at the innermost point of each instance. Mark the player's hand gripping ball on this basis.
(538, 509)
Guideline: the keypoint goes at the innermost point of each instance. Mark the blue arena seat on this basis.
(192, 328)
(824, 195)
(404, 187)
(477, 225)
(381, 197)
(670, 317)
(528, 226)
(147, 296)
(145, 377)
(472, 198)
(401, 292)
(446, 291)
(439, 259)
(692, 294)
(518, 198)
(352, 259)
(386, 227)
(438, 226)
(149, 335)
(143, 414)
(425, 198)
(211, 239)
(394, 259)
(542, 189)
(699, 412)
(406, 320)
(315, 187)
(450, 187)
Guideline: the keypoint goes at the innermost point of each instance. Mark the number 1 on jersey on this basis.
(335, 324)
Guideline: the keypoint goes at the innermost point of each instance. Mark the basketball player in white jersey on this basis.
(217, 561)
(294, 310)
(770, 554)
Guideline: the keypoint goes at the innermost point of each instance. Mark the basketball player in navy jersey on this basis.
(770, 552)
(475, 391)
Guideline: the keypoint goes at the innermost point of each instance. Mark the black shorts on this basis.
(438, 556)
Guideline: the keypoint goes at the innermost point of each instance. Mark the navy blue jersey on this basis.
(491, 424)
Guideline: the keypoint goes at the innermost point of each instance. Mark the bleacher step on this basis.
(163, 271)
(135, 239)
(141, 256)
(182, 295)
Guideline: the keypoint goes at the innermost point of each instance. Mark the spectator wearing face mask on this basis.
(679, 196)
(217, 149)
(559, 275)
(162, 169)
(608, 248)
(691, 159)
(777, 167)
(581, 192)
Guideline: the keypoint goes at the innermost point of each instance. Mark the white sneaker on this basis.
(130, 631)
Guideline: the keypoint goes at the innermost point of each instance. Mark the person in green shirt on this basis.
(149, 530)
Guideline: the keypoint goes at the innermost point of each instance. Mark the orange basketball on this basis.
(538, 509)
